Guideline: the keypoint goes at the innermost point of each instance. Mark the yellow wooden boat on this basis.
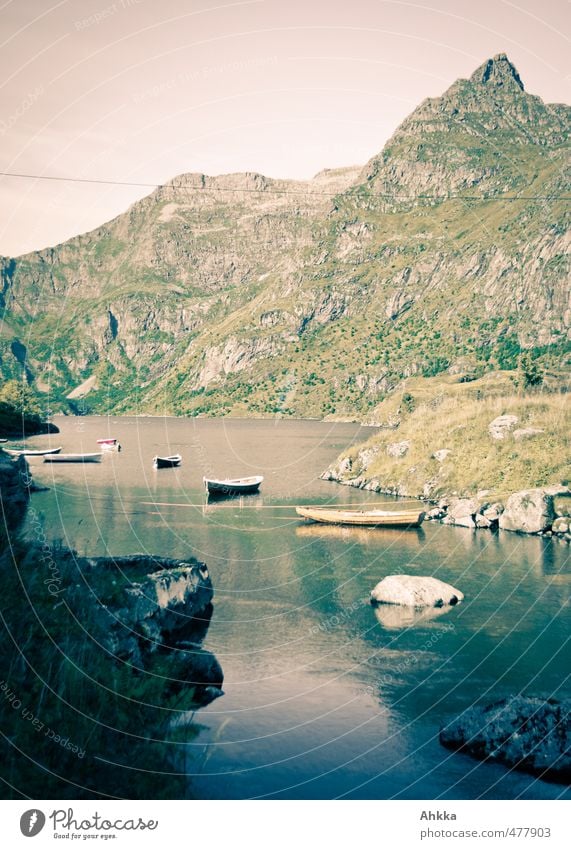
(372, 518)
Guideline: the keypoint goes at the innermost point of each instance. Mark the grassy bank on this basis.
(442, 413)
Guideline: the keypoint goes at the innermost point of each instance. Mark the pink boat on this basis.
(110, 441)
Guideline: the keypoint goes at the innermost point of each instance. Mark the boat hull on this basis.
(14, 452)
(73, 458)
(167, 462)
(232, 486)
(363, 518)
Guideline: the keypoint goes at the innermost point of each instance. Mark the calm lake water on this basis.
(325, 696)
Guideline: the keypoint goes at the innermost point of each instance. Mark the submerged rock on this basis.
(415, 591)
(529, 734)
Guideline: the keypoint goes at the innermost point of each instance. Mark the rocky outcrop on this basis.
(415, 591)
(152, 599)
(222, 284)
(398, 449)
(527, 433)
(502, 426)
(235, 356)
(15, 481)
(498, 72)
(17, 426)
(493, 512)
(531, 511)
(155, 613)
(442, 454)
(529, 734)
(561, 525)
(462, 508)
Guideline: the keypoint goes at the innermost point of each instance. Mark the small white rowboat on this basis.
(25, 452)
(233, 486)
(73, 458)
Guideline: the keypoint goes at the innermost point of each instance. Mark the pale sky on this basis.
(143, 90)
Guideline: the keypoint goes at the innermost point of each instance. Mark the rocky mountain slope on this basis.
(239, 294)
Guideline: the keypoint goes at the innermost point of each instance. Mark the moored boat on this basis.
(232, 486)
(28, 452)
(110, 444)
(370, 518)
(73, 458)
(167, 462)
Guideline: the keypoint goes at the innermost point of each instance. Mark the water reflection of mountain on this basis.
(312, 677)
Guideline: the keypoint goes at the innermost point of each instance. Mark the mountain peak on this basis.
(498, 71)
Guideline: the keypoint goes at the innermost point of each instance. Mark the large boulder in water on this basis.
(531, 510)
(415, 591)
(530, 734)
(463, 508)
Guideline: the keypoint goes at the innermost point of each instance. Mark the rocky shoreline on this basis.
(140, 605)
(124, 658)
(529, 511)
(15, 481)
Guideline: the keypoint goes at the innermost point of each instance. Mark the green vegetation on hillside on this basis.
(446, 253)
(444, 415)
(20, 410)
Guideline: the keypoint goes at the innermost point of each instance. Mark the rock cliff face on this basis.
(155, 613)
(249, 295)
(15, 480)
(119, 678)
